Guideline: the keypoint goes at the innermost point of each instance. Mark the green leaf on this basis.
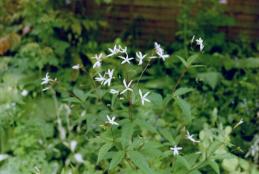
(214, 166)
(103, 151)
(183, 162)
(182, 91)
(185, 107)
(116, 159)
(126, 134)
(167, 135)
(183, 61)
(211, 78)
(139, 160)
(192, 59)
(79, 93)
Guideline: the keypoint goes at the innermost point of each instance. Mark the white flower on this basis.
(114, 91)
(121, 50)
(239, 123)
(79, 158)
(143, 97)
(160, 52)
(100, 79)
(113, 51)
(110, 76)
(98, 59)
(199, 42)
(3, 157)
(190, 137)
(140, 57)
(24, 93)
(111, 120)
(73, 145)
(193, 37)
(127, 86)
(46, 79)
(126, 59)
(176, 150)
(76, 67)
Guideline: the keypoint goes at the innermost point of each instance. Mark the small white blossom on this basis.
(176, 150)
(223, 1)
(98, 59)
(79, 158)
(24, 93)
(190, 137)
(143, 97)
(127, 86)
(110, 76)
(114, 91)
(122, 50)
(46, 79)
(140, 57)
(126, 59)
(100, 79)
(239, 123)
(113, 51)
(73, 145)
(111, 120)
(199, 42)
(76, 67)
(160, 52)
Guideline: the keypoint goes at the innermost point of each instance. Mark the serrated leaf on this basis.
(214, 166)
(116, 159)
(139, 160)
(103, 151)
(185, 107)
(182, 91)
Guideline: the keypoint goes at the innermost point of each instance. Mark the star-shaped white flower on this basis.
(113, 51)
(140, 57)
(160, 52)
(76, 67)
(143, 97)
(199, 42)
(127, 86)
(126, 59)
(24, 93)
(110, 76)
(98, 59)
(111, 120)
(46, 79)
(100, 79)
(190, 137)
(176, 150)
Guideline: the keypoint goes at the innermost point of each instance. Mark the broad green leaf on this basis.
(79, 93)
(126, 134)
(116, 159)
(182, 91)
(103, 151)
(185, 107)
(167, 135)
(139, 160)
(214, 166)
(183, 162)
(211, 78)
